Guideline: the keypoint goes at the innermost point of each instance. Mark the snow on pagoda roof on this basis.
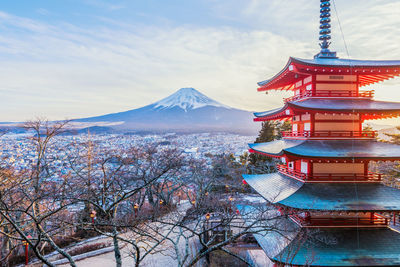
(343, 247)
(274, 187)
(370, 108)
(329, 149)
(276, 113)
(296, 69)
(335, 62)
(280, 189)
(275, 241)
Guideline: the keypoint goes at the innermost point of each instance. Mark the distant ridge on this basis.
(186, 110)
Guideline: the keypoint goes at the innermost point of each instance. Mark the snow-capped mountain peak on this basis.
(187, 98)
(187, 110)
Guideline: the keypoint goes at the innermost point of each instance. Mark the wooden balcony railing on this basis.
(353, 221)
(331, 93)
(331, 134)
(334, 177)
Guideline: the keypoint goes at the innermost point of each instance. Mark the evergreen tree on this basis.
(270, 131)
(267, 132)
(283, 127)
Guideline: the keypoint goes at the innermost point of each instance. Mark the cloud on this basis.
(73, 72)
(42, 11)
(105, 5)
(64, 70)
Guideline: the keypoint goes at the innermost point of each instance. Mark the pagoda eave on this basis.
(341, 247)
(365, 116)
(265, 154)
(370, 109)
(344, 105)
(296, 69)
(280, 189)
(329, 149)
(293, 156)
(314, 105)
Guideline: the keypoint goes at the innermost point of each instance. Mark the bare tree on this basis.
(135, 195)
(112, 182)
(209, 220)
(31, 202)
(193, 238)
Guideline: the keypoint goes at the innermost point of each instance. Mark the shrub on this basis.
(87, 248)
(221, 259)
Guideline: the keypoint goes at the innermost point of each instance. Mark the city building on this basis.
(338, 212)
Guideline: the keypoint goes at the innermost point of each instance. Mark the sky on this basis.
(79, 58)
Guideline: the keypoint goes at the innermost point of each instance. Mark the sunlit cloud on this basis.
(63, 70)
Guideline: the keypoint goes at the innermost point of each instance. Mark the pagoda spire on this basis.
(325, 30)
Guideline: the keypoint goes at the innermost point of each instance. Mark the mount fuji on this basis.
(187, 110)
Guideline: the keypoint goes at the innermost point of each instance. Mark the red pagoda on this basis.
(323, 184)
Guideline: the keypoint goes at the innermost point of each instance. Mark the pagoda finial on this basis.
(325, 31)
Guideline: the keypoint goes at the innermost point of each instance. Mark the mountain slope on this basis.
(187, 110)
(187, 98)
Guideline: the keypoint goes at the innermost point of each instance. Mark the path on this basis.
(161, 258)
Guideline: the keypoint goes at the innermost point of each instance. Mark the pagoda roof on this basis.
(341, 247)
(280, 189)
(341, 62)
(283, 230)
(293, 245)
(275, 148)
(296, 69)
(332, 149)
(371, 109)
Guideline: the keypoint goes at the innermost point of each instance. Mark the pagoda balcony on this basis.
(329, 134)
(332, 93)
(375, 221)
(331, 177)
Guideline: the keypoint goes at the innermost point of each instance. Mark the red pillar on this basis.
(366, 163)
(358, 85)
(26, 253)
(312, 124)
(26, 250)
(314, 84)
